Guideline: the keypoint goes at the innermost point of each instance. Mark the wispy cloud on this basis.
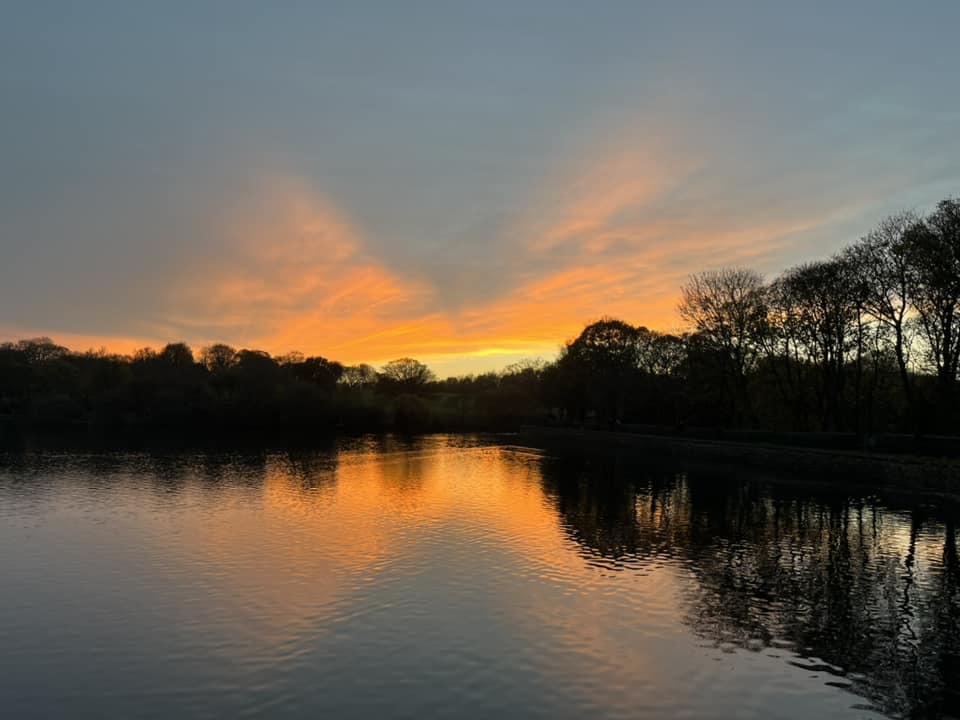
(614, 230)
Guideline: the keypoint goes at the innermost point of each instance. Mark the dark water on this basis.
(447, 577)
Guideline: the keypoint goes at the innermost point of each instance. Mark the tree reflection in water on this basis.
(838, 582)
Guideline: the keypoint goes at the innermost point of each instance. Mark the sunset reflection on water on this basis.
(456, 575)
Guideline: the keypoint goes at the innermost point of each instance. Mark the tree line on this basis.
(222, 388)
(866, 341)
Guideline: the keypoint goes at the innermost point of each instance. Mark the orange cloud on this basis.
(292, 272)
(615, 232)
(608, 236)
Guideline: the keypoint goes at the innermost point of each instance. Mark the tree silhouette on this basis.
(936, 260)
(602, 362)
(727, 309)
(357, 376)
(825, 312)
(218, 358)
(884, 261)
(405, 374)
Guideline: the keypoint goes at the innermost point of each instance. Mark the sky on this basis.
(467, 183)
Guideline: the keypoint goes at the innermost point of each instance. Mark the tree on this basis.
(356, 376)
(294, 357)
(659, 353)
(177, 355)
(663, 361)
(317, 371)
(936, 277)
(40, 350)
(607, 346)
(823, 304)
(599, 366)
(406, 374)
(884, 261)
(256, 363)
(727, 309)
(218, 358)
(526, 366)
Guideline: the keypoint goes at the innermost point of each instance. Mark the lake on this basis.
(457, 576)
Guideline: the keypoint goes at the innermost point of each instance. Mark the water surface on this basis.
(451, 576)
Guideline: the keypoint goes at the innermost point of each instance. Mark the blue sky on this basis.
(464, 182)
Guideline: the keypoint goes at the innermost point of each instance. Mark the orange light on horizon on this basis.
(293, 272)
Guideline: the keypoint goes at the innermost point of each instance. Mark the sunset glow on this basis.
(367, 209)
(290, 272)
(508, 358)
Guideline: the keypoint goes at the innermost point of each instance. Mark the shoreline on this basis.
(914, 473)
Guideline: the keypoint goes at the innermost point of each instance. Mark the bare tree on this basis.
(783, 351)
(727, 309)
(936, 264)
(823, 310)
(885, 265)
(356, 376)
(406, 373)
(660, 353)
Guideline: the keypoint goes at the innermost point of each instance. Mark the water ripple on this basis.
(449, 576)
